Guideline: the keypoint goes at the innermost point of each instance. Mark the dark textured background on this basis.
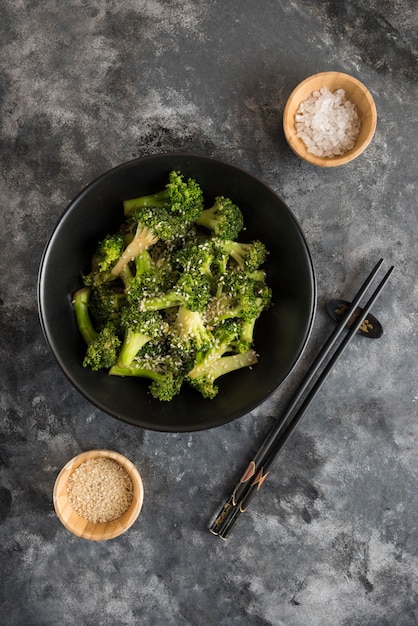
(331, 540)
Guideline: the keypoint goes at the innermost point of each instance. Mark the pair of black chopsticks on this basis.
(257, 471)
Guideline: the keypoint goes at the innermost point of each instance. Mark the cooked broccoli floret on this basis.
(183, 198)
(220, 359)
(103, 346)
(147, 287)
(246, 339)
(165, 385)
(105, 257)
(139, 329)
(95, 278)
(154, 275)
(248, 256)
(203, 379)
(144, 264)
(102, 352)
(150, 280)
(164, 224)
(200, 254)
(197, 254)
(242, 296)
(224, 219)
(189, 334)
(192, 291)
(106, 302)
(150, 225)
(108, 252)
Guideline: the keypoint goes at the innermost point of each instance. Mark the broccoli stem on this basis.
(213, 369)
(144, 238)
(224, 219)
(190, 323)
(248, 327)
(164, 386)
(81, 301)
(132, 344)
(126, 276)
(135, 370)
(208, 218)
(236, 251)
(159, 199)
(167, 301)
(144, 263)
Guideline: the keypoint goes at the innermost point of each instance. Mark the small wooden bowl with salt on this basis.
(329, 119)
(98, 495)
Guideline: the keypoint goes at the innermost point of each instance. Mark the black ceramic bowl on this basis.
(281, 333)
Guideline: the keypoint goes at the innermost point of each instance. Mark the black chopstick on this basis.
(285, 426)
(243, 483)
(253, 467)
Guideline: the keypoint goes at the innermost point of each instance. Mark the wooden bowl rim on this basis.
(81, 527)
(297, 144)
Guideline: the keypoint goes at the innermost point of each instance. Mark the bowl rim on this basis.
(235, 414)
(295, 142)
(82, 528)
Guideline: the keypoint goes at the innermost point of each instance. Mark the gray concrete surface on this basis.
(331, 540)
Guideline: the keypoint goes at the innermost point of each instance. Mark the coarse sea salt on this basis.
(327, 123)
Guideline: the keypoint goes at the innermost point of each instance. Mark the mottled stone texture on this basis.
(331, 539)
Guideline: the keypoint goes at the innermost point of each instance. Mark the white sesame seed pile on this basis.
(100, 490)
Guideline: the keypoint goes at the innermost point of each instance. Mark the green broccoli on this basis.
(139, 329)
(220, 359)
(102, 352)
(106, 255)
(203, 378)
(106, 302)
(150, 280)
(102, 346)
(165, 385)
(108, 252)
(189, 334)
(197, 254)
(246, 339)
(151, 225)
(224, 219)
(144, 264)
(81, 304)
(248, 256)
(184, 199)
(241, 296)
(191, 290)
(173, 296)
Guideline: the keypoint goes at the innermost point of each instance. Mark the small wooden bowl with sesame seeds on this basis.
(98, 495)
